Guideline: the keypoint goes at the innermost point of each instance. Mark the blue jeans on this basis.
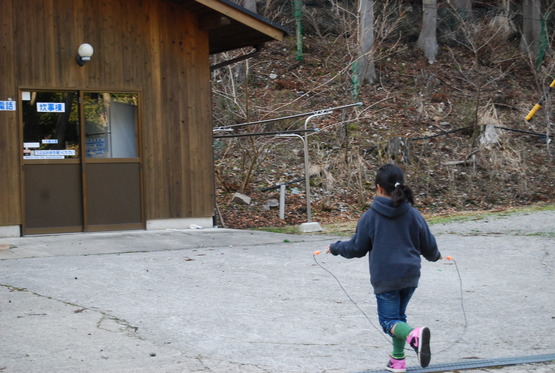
(392, 307)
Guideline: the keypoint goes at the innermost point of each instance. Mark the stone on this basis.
(241, 199)
(270, 204)
(310, 227)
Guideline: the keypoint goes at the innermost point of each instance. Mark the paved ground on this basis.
(238, 301)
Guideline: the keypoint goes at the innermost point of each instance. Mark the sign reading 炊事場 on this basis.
(51, 107)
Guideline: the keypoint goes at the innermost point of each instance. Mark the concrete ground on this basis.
(218, 300)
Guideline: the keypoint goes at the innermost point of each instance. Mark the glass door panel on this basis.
(110, 125)
(50, 125)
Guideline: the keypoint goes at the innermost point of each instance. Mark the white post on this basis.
(282, 201)
(307, 176)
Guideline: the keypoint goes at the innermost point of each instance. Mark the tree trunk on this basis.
(463, 8)
(506, 6)
(463, 4)
(240, 69)
(531, 26)
(398, 150)
(250, 5)
(366, 68)
(427, 41)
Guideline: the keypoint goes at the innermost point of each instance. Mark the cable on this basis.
(541, 135)
(451, 345)
(462, 333)
(349, 297)
(445, 133)
(461, 290)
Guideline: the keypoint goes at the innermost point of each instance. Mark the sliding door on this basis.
(81, 161)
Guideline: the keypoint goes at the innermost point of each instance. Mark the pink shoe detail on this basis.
(396, 365)
(419, 339)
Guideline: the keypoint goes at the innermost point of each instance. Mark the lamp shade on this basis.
(85, 51)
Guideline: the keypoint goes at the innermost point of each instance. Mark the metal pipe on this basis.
(279, 185)
(265, 133)
(540, 102)
(295, 133)
(287, 117)
(306, 175)
(257, 48)
(307, 165)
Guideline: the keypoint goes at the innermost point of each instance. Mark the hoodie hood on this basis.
(384, 206)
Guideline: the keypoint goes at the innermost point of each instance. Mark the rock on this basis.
(270, 204)
(310, 227)
(489, 135)
(241, 199)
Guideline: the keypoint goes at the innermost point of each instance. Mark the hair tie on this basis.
(397, 184)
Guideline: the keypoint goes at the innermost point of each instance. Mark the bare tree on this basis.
(464, 8)
(427, 41)
(531, 26)
(543, 71)
(367, 70)
(463, 4)
(506, 6)
(493, 59)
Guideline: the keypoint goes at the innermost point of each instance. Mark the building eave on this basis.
(230, 26)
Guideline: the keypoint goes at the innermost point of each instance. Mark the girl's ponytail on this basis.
(402, 193)
(392, 179)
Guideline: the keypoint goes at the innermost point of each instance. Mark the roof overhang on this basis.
(231, 26)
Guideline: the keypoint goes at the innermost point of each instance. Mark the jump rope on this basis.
(449, 258)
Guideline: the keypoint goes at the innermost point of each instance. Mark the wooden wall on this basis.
(150, 46)
(10, 153)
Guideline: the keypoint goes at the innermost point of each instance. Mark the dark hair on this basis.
(392, 179)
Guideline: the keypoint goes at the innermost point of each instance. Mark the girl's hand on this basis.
(328, 249)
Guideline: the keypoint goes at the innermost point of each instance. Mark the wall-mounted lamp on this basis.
(84, 53)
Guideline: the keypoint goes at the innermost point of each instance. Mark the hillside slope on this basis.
(420, 116)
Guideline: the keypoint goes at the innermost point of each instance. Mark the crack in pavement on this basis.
(107, 322)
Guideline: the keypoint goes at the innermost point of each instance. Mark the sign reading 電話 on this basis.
(7, 105)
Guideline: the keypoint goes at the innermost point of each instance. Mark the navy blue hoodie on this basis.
(395, 237)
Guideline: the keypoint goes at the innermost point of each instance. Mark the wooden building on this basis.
(122, 140)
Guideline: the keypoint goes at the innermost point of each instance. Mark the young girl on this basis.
(395, 235)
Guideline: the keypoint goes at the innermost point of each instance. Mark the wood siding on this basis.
(10, 148)
(153, 47)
